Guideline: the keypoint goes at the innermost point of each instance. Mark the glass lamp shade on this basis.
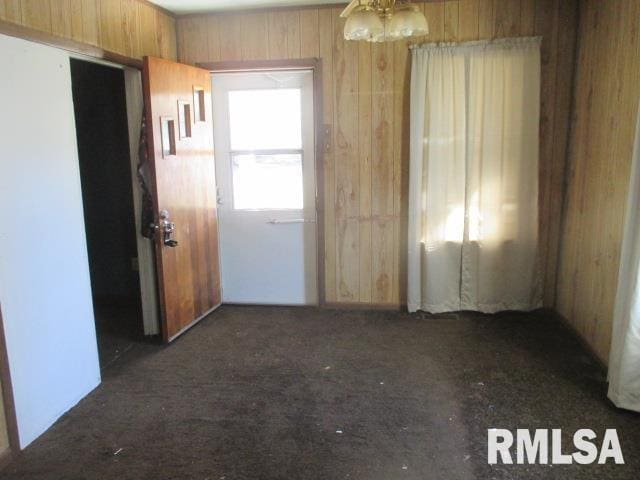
(408, 22)
(363, 25)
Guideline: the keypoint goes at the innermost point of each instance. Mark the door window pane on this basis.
(267, 182)
(265, 119)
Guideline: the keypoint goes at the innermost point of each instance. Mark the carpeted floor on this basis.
(300, 393)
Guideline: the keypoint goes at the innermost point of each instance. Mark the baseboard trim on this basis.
(389, 307)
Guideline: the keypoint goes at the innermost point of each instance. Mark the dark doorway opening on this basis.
(105, 173)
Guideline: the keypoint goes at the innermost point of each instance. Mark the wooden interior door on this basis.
(180, 139)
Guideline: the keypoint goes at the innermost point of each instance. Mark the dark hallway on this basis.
(105, 172)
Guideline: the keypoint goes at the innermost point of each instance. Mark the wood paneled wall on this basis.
(366, 103)
(129, 27)
(607, 90)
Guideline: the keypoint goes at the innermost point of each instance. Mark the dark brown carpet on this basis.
(301, 393)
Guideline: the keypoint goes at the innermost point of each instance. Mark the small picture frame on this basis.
(198, 104)
(184, 119)
(168, 136)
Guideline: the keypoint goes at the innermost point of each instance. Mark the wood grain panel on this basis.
(451, 12)
(118, 26)
(547, 27)
(75, 14)
(347, 167)
(382, 115)
(434, 11)
(112, 37)
(382, 267)
(468, 21)
(366, 111)
(365, 124)
(194, 40)
(230, 37)
(148, 43)
(566, 45)
(485, 18)
(61, 18)
(292, 20)
(130, 28)
(506, 18)
(401, 102)
(606, 95)
(253, 28)
(213, 38)
(528, 17)
(37, 14)
(91, 22)
(325, 27)
(277, 38)
(11, 11)
(309, 34)
(166, 35)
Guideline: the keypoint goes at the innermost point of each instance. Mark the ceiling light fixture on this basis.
(383, 20)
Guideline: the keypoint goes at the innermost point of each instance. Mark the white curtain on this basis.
(473, 180)
(624, 360)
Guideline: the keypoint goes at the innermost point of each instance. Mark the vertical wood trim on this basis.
(547, 27)
(7, 392)
(325, 27)
(567, 32)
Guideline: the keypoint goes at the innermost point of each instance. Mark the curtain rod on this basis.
(480, 43)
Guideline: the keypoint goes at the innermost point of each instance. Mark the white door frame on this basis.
(146, 254)
(322, 136)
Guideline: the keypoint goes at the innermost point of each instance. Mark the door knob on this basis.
(167, 227)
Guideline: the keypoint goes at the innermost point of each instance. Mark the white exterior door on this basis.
(265, 169)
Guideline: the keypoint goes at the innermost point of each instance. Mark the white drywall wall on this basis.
(45, 290)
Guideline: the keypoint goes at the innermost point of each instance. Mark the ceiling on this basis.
(181, 7)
